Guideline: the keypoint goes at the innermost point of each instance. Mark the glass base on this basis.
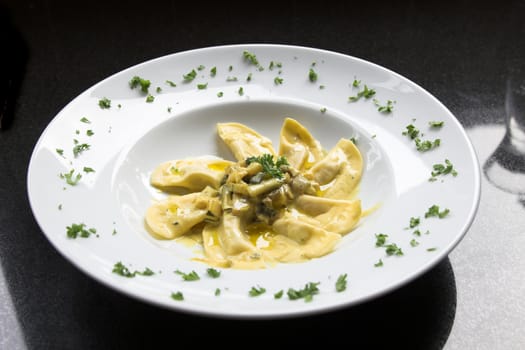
(505, 168)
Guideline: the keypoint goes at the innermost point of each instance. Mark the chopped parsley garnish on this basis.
(249, 77)
(366, 93)
(279, 294)
(190, 76)
(274, 64)
(414, 243)
(356, 83)
(278, 80)
(240, 91)
(158, 90)
(323, 110)
(200, 67)
(104, 103)
(220, 94)
(88, 169)
(307, 293)
(231, 79)
(60, 151)
(434, 211)
(380, 239)
(170, 83)
(393, 249)
(122, 270)
(379, 263)
(90, 132)
(70, 178)
(213, 71)
(85, 120)
(354, 140)
(137, 81)
(230, 68)
(150, 98)
(426, 145)
(431, 249)
(269, 167)
(192, 276)
(250, 57)
(177, 296)
(436, 124)
(414, 222)
(202, 86)
(213, 273)
(217, 292)
(168, 109)
(388, 108)
(256, 291)
(76, 230)
(411, 131)
(443, 169)
(340, 284)
(312, 75)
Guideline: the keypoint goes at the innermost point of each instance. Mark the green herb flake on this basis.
(200, 67)
(189, 76)
(192, 276)
(388, 108)
(393, 249)
(202, 86)
(279, 294)
(240, 91)
(104, 103)
(366, 93)
(146, 272)
(85, 120)
(158, 90)
(340, 284)
(379, 263)
(323, 110)
(250, 57)
(356, 83)
(150, 98)
(414, 222)
(171, 83)
(137, 81)
(414, 243)
(443, 169)
(278, 80)
(213, 273)
(380, 239)
(122, 270)
(60, 151)
(426, 145)
(256, 291)
(307, 293)
(220, 94)
(354, 140)
(213, 72)
(433, 249)
(312, 75)
(168, 109)
(249, 77)
(436, 124)
(217, 292)
(411, 131)
(88, 170)
(433, 211)
(90, 132)
(177, 296)
(76, 230)
(71, 178)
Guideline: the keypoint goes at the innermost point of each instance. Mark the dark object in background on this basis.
(13, 60)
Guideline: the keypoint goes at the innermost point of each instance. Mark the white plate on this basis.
(134, 136)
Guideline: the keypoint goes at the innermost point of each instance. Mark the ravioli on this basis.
(265, 208)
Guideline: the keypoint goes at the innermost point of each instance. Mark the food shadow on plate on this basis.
(417, 316)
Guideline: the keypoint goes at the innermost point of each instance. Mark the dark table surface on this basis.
(460, 52)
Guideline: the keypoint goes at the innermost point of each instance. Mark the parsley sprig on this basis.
(120, 269)
(269, 167)
(307, 293)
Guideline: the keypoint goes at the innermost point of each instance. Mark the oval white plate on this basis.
(129, 139)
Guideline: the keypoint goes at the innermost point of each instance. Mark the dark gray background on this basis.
(460, 52)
